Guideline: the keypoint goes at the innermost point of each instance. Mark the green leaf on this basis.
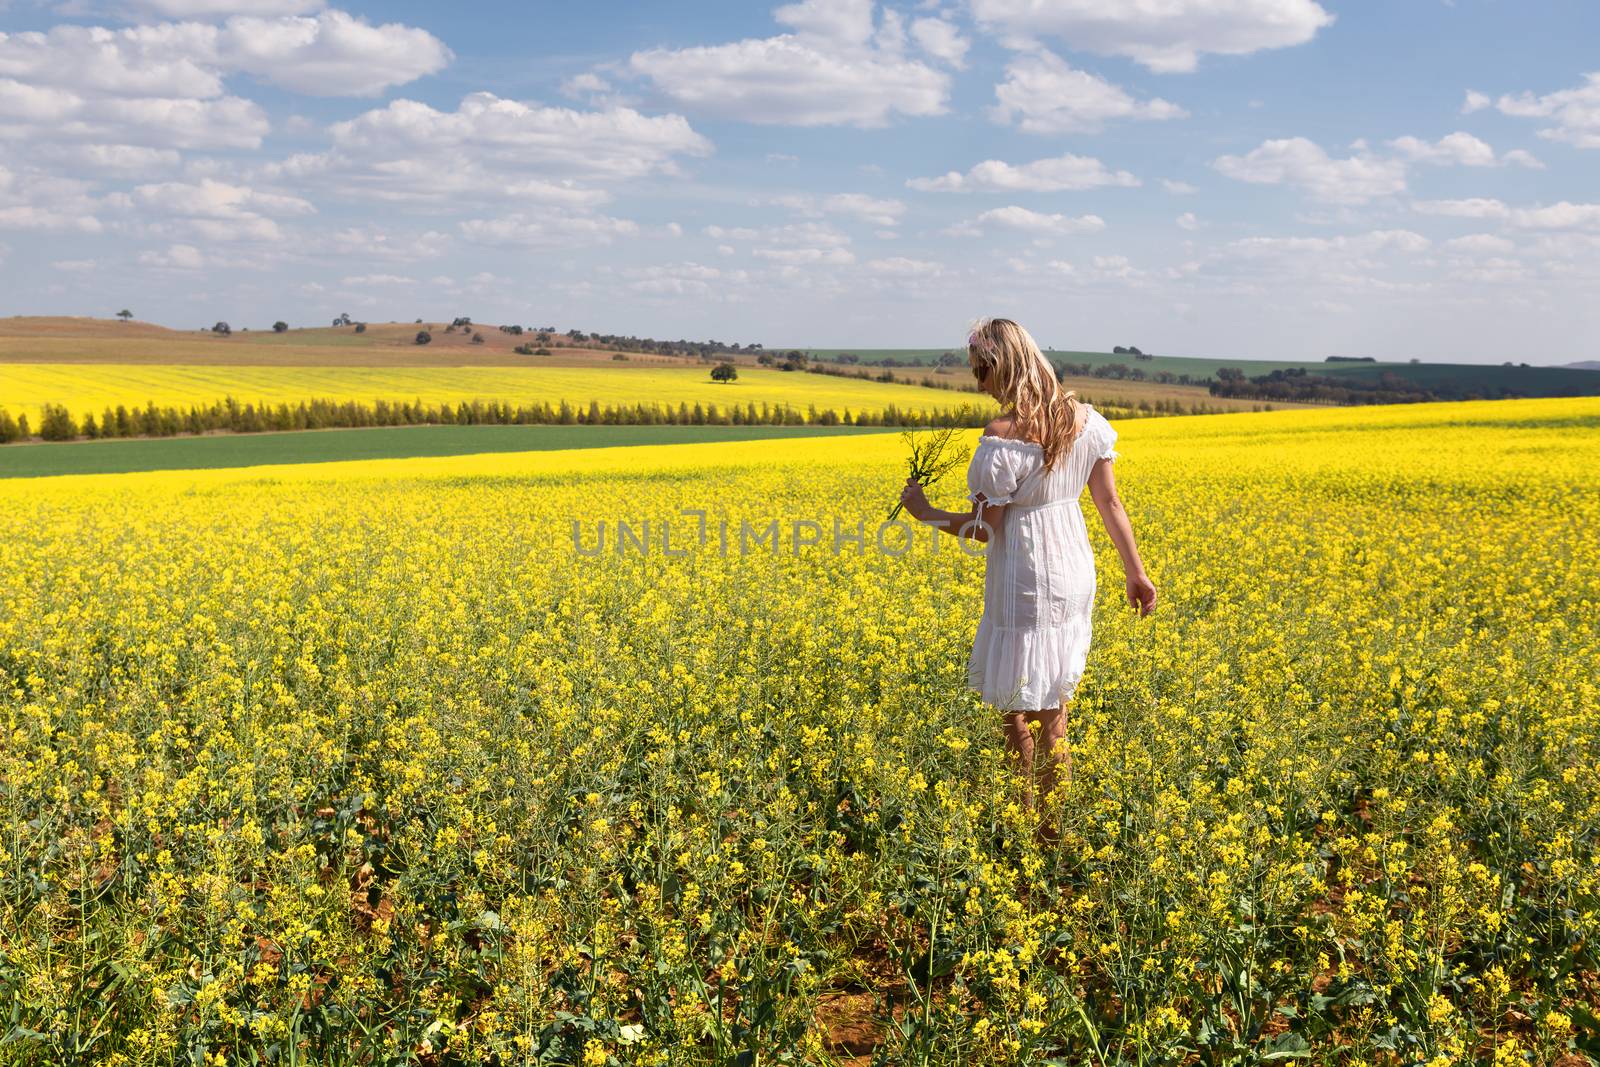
(1287, 1046)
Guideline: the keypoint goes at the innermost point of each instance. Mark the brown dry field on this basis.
(37, 339)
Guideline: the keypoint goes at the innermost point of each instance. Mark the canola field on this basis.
(90, 389)
(376, 763)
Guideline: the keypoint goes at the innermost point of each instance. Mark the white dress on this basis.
(1039, 581)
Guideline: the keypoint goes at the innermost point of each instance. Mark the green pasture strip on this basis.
(121, 456)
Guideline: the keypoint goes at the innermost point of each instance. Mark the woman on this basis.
(1026, 476)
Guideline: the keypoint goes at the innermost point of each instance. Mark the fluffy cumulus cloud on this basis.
(1561, 216)
(904, 267)
(548, 230)
(127, 103)
(1024, 220)
(876, 210)
(491, 148)
(941, 40)
(1460, 150)
(1569, 115)
(329, 54)
(1298, 162)
(837, 68)
(213, 210)
(1476, 207)
(1480, 244)
(1043, 94)
(1169, 36)
(1406, 241)
(34, 200)
(1065, 173)
(208, 9)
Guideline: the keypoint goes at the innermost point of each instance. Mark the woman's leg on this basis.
(1050, 749)
(1019, 745)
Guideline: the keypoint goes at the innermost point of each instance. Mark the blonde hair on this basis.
(1046, 414)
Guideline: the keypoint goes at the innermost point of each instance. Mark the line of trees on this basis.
(1295, 384)
(232, 416)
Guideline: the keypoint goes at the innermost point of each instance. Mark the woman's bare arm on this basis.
(974, 523)
(1103, 489)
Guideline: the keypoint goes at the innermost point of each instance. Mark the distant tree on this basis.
(1230, 374)
(280, 327)
(419, 322)
(477, 338)
(619, 357)
(345, 320)
(424, 337)
(1118, 350)
(9, 431)
(124, 314)
(461, 322)
(55, 423)
(222, 329)
(361, 327)
(724, 372)
(766, 359)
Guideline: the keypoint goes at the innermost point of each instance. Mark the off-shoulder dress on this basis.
(1039, 582)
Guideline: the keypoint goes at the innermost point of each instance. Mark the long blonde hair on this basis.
(1046, 414)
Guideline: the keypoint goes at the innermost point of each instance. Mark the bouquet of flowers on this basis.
(933, 455)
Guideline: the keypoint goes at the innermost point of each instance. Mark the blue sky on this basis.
(1249, 178)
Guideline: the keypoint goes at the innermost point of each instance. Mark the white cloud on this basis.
(833, 71)
(879, 212)
(331, 53)
(1043, 94)
(1299, 162)
(216, 211)
(364, 281)
(1188, 221)
(1178, 188)
(902, 267)
(1475, 101)
(374, 244)
(813, 234)
(1406, 241)
(176, 257)
(584, 85)
(1562, 216)
(1574, 113)
(490, 148)
(209, 9)
(548, 230)
(121, 102)
(1056, 174)
(31, 199)
(75, 266)
(1476, 243)
(941, 40)
(1026, 221)
(1462, 150)
(795, 257)
(1469, 208)
(1169, 36)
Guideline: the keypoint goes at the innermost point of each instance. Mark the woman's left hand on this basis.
(914, 500)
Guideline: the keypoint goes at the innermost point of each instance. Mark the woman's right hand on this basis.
(1141, 593)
